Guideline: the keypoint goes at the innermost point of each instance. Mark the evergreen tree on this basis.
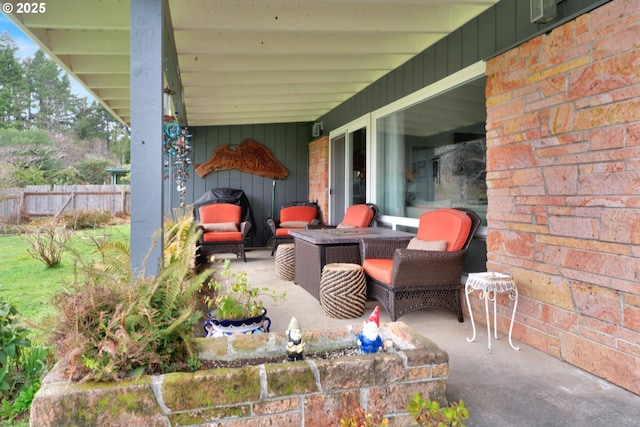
(47, 134)
(121, 149)
(95, 122)
(52, 102)
(88, 120)
(12, 85)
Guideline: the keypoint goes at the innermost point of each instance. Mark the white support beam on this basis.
(70, 14)
(325, 43)
(106, 81)
(111, 94)
(239, 62)
(258, 90)
(77, 42)
(355, 16)
(224, 78)
(202, 100)
(100, 64)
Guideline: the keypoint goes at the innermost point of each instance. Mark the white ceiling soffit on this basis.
(250, 61)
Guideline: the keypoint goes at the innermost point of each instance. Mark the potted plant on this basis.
(236, 306)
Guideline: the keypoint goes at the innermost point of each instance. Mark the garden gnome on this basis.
(368, 340)
(295, 345)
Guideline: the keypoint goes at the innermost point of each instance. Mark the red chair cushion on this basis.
(284, 232)
(222, 236)
(220, 212)
(359, 216)
(298, 213)
(447, 224)
(379, 269)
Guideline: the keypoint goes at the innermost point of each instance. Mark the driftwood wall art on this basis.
(250, 157)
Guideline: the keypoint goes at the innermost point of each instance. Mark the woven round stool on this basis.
(285, 261)
(343, 290)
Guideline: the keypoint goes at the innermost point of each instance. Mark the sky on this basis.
(27, 48)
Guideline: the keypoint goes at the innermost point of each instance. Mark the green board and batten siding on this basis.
(501, 27)
(288, 142)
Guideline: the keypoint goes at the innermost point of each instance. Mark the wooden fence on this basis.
(42, 200)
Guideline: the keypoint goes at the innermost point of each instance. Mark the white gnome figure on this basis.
(368, 340)
(295, 345)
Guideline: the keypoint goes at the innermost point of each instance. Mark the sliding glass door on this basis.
(348, 167)
(337, 188)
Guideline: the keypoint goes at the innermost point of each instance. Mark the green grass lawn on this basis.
(30, 284)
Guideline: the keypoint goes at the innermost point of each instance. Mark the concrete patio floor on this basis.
(502, 388)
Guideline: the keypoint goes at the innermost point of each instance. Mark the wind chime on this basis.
(177, 151)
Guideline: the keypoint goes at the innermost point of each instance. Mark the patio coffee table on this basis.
(316, 248)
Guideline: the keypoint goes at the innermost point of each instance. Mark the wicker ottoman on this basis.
(343, 290)
(285, 261)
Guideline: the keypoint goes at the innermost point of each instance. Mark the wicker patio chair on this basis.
(223, 231)
(404, 279)
(293, 216)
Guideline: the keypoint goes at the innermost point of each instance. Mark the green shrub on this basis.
(21, 365)
(16, 219)
(424, 413)
(46, 241)
(92, 170)
(10, 229)
(85, 219)
(429, 413)
(113, 326)
(13, 339)
(67, 176)
(29, 176)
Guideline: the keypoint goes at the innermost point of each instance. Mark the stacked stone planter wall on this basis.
(312, 392)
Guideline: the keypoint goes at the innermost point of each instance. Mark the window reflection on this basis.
(433, 155)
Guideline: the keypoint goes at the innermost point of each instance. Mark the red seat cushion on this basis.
(359, 216)
(298, 213)
(379, 269)
(222, 236)
(447, 224)
(284, 232)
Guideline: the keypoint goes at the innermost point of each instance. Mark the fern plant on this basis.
(112, 325)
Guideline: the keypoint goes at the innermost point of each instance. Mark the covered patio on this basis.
(560, 121)
(503, 388)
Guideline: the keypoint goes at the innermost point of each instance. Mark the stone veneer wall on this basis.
(319, 175)
(563, 178)
(309, 393)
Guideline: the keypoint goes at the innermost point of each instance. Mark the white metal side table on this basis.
(489, 284)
